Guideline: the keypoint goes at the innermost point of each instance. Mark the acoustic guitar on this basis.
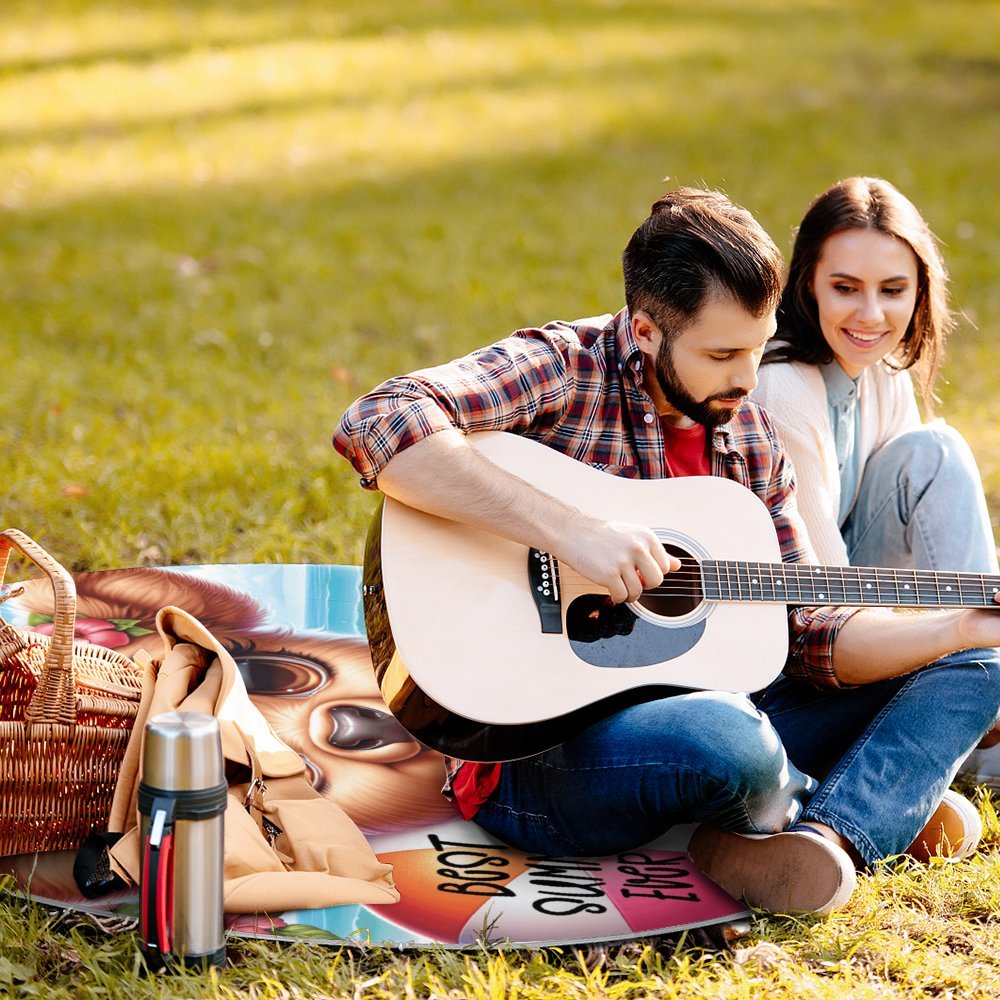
(489, 650)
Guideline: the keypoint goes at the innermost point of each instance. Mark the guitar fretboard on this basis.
(800, 583)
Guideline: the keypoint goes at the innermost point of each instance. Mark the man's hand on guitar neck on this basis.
(443, 475)
(878, 643)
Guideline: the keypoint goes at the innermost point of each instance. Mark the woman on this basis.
(865, 304)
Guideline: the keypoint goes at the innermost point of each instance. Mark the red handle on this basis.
(156, 907)
(165, 894)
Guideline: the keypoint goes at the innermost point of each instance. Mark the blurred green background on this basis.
(222, 221)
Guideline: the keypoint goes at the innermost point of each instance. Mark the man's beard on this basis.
(680, 399)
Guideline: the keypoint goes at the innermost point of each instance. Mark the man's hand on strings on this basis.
(624, 558)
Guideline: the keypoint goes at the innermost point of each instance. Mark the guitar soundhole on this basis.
(680, 593)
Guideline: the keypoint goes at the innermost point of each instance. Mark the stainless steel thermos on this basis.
(182, 800)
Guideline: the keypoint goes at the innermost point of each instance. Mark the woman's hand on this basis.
(980, 627)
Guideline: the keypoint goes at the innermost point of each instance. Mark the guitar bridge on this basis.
(543, 577)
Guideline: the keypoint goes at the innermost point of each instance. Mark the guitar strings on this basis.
(690, 581)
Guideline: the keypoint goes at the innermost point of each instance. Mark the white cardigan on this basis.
(794, 395)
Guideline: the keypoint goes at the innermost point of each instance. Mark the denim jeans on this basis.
(921, 506)
(884, 753)
(695, 757)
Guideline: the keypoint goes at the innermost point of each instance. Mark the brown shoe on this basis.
(783, 872)
(953, 832)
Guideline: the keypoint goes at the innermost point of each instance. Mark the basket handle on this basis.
(54, 700)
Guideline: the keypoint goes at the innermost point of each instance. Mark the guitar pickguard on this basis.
(612, 635)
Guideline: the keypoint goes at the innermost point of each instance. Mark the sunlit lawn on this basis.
(222, 221)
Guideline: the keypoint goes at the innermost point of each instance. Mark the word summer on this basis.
(561, 886)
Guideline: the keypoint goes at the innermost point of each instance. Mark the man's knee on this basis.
(732, 739)
(757, 789)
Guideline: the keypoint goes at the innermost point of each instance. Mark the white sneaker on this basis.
(789, 872)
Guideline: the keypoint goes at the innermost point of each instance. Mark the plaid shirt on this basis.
(577, 387)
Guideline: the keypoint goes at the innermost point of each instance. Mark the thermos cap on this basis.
(182, 752)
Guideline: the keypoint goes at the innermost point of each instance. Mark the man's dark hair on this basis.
(694, 244)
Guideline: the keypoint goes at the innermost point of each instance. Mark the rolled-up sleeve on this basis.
(515, 384)
(386, 421)
(812, 632)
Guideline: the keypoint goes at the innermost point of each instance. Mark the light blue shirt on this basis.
(842, 402)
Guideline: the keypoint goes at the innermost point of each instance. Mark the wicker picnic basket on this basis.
(66, 710)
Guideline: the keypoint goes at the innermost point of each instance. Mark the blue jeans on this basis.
(921, 506)
(705, 757)
(884, 754)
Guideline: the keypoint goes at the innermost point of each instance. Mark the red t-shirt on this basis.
(686, 455)
(686, 450)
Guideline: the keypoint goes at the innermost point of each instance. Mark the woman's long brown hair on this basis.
(866, 203)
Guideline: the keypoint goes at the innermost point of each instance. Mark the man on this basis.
(853, 748)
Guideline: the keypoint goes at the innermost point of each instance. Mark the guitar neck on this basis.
(801, 583)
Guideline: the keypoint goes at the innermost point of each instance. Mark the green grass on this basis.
(910, 932)
(221, 221)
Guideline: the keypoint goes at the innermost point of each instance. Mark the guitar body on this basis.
(475, 662)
